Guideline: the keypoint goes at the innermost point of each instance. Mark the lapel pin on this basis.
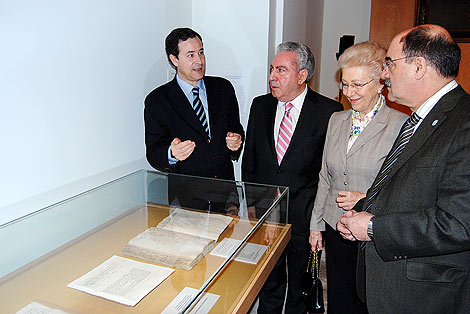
(435, 122)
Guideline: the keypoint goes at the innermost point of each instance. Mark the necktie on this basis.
(403, 138)
(197, 106)
(285, 133)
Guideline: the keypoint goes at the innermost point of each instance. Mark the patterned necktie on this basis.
(197, 106)
(285, 133)
(404, 136)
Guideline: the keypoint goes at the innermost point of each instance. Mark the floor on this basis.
(254, 307)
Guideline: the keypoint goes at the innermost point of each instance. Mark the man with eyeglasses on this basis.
(284, 144)
(414, 223)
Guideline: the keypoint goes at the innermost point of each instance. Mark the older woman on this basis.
(357, 142)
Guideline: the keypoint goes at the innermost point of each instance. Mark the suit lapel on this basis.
(373, 129)
(345, 130)
(302, 126)
(270, 118)
(212, 105)
(181, 104)
(432, 121)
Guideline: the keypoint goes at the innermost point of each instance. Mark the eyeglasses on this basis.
(388, 63)
(354, 86)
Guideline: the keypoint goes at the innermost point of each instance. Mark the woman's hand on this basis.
(347, 199)
(315, 240)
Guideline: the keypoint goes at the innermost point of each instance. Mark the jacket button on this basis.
(208, 141)
(345, 183)
(344, 173)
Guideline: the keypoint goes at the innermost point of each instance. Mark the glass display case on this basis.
(47, 250)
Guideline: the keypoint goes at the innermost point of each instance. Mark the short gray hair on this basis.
(305, 59)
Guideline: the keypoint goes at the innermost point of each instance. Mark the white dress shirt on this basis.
(188, 92)
(427, 106)
(297, 104)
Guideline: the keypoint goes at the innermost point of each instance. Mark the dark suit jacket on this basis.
(419, 261)
(302, 161)
(168, 114)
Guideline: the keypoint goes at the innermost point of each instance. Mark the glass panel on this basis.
(52, 247)
(42, 231)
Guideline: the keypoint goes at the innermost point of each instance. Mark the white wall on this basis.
(303, 22)
(319, 24)
(235, 35)
(74, 78)
(74, 75)
(341, 17)
(314, 37)
(236, 44)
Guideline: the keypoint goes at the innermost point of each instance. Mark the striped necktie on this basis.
(285, 133)
(197, 106)
(406, 132)
(404, 136)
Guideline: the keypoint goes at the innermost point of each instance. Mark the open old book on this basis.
(180, 240)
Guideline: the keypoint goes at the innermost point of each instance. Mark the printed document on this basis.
(38, 308)
(203, 305)
(122, 280)
(250, 252)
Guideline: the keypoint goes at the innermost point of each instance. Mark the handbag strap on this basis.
(310, 264)
(315, 264)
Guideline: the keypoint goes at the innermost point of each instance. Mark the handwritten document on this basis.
(122, 280)
(180, 240)
(196, 223)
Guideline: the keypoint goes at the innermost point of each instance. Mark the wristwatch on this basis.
(370, 228)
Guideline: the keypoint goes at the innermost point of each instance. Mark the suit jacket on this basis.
(357, 169)
(419, 261)
(302, 160)
(168, 114)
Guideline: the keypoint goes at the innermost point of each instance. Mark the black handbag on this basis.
(312, 287)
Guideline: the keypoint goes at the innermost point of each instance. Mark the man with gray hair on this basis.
(284, 145)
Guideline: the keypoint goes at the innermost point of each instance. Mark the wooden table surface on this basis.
(45, 280)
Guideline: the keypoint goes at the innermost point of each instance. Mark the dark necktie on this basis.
(197, 106)
(404, 136)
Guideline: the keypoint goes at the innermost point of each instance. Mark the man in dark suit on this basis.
(289, 157)
(415, 257)
(192, 123)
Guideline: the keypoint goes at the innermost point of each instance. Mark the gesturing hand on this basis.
(182, 150)
(234, 141)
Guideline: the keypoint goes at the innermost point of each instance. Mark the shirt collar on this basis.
(356, 115)
(297, 102)
(188, 88)
(427, 106)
